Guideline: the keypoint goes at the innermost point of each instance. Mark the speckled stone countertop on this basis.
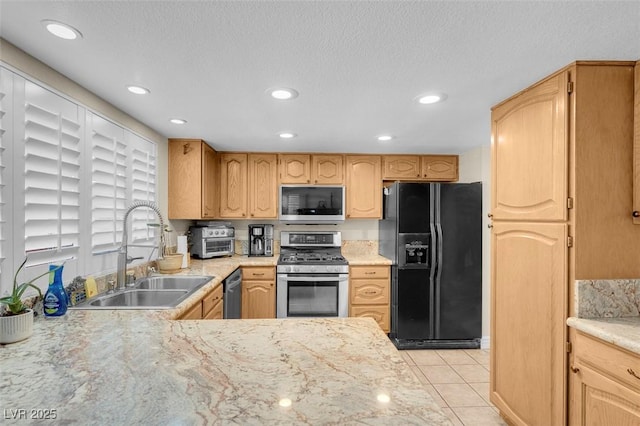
(609, 310)
(142, 367)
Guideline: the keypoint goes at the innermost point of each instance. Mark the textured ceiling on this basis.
(358, 65)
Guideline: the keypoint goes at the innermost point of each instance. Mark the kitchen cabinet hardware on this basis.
(574, 369)
(633, 373)
(186, 149)
(489, 215)
(636, 213)
(490, 226)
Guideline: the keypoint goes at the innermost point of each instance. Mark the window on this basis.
(67, 176)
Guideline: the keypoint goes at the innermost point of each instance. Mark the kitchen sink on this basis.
(180, 282)
(158, 292)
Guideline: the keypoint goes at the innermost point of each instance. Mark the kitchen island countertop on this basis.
(130, 367)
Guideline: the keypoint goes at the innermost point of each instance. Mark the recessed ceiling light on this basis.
(431, 98)
(384, 138)
(61, 30)
(178, 121)
(287, 135)
(283, 93)
(138, 90)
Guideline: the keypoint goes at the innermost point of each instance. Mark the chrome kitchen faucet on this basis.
(123, 258)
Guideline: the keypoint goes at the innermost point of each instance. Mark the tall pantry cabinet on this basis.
(561, 209)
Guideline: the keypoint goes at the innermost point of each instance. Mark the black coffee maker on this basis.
(261, 240)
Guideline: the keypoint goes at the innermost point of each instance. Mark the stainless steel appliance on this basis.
(260, 240)
(311, 204)
(232, 298)
(312, 275)
(433, 235)
(212, 239)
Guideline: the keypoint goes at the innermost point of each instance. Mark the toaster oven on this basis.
(209, 241)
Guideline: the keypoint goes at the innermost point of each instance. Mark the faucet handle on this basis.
(131, 259)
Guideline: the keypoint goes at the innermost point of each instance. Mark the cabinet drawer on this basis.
(216, 311)
(369, 272)
(370, 291)
(211, 299)
(378, 313)
(612, 361)
(259, 273)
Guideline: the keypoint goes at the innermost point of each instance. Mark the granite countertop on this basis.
(128, 367)
(136, 366)
(623, 332)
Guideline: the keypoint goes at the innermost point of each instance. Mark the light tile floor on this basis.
(458, 380)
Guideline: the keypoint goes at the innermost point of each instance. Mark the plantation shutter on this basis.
(52, 129)
(6, 135)
(108, 183)
(143, 187)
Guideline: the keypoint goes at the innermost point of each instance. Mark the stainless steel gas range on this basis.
(312, 275)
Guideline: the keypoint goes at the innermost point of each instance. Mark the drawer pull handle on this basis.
(369, 273)
(575, 369)
(633, 373)
(258, 274)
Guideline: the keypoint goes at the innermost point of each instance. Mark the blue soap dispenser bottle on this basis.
(56, 298)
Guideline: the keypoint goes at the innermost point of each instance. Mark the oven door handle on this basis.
(316, 278)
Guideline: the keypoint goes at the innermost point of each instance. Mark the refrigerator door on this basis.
(411, 298)
(458, 278)
(413, 208)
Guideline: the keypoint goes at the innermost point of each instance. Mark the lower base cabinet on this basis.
(258, 292)
(369, 294)
(210, 307)
(605, 384)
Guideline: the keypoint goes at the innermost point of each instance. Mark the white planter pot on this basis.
(16, 327)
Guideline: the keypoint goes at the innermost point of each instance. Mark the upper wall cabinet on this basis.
(420, 167)
(233, 185)
(263, 185)
(364, 186)
(192, 179)
(314, 169)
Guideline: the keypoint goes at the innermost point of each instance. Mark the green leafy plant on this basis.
(14, 301)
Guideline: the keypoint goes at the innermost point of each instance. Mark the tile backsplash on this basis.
(607, 298)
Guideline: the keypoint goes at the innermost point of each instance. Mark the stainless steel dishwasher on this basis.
(232, 288)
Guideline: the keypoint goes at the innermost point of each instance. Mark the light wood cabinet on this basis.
(263, 186)
(258, 292)
(364, 186)
(606, 383)
(192, 179)
(439, 168)
(327, 169)
(233, 185)
(420, 167)
(209, 307)
(369, 294)
(213, 303)
(295, 168)
(560, 207)
(314, 169)
(636, 146)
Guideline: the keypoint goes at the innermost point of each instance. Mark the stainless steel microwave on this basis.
(312, 204)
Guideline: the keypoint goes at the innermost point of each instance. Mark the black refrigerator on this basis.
(433, 235)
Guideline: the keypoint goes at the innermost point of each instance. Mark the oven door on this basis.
(312, 295)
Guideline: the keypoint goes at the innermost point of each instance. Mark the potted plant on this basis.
(16, 319)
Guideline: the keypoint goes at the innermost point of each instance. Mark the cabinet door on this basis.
(193, 313)
(401, 167)
(295, 168)
(258, 299)
(440, 167)
(212, 304)
(603, 401)
(529, 149)
(529, 293)
(327, 169)
(263, 186)
(364, 186)
(636, 146)
(380, 313)
(185, 178)
(209, 182)
(233, 185)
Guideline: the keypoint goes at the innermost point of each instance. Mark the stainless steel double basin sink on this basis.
(156, 292)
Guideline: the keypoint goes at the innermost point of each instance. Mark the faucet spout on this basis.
(123, 258)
